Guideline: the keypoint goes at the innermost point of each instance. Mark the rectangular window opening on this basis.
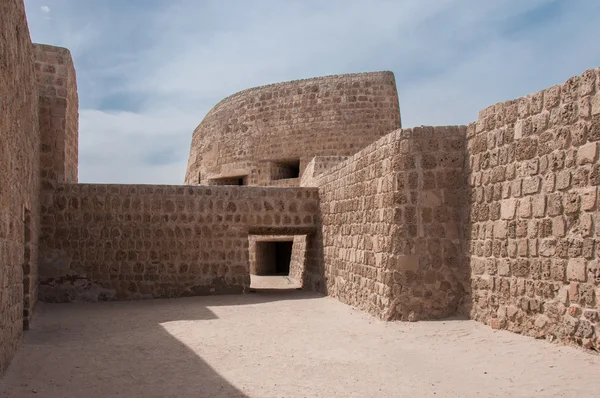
(285, 169)
(237, 180)
(276, 262)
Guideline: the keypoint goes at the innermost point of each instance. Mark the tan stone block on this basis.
(587, 82)
(563, 180)
(503, 267)
(558, 226)
(549, 183)
(571, 202)
(547, 247)
(508, 208)
(500, 229)
(525, 207)
(523, 128)
(516, 188)
(539, 206)
(407, 263)
(585, 107)
(596, 104)
(506, 189)
(552, 96)
(511, 248)
(558, 270)
(531, 185)
(586, 154)
(532, 247)
(520, 268)
(431, 199)
(588, 198)
(576, 269)
(593, 269)
(585, 225)
(522, 247)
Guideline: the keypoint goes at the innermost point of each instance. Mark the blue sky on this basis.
(149, 70)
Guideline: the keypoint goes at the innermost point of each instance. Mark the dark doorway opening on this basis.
(276, 262)
(273, 258)
(283, 257)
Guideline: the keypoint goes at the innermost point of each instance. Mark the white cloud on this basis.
(167, 64)
(45, 9)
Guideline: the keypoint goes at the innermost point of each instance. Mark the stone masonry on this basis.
(258, 133)
(117, 242)
(390, 226)
(19, 177)
(498, 220)
(532, 231)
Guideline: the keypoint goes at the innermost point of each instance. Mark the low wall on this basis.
(534, 226)
(115, 242)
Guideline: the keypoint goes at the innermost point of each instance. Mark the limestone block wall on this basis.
(258, 132)
(390, 226)
(58, 115)
(533, 223)
(356, 201)
(428, 278)
(19, 178)
(116, 242)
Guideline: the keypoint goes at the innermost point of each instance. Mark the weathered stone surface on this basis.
(498, 219)
(255, 133)
(116, 242)
(19, 178)
(547, 259)
(390, 226)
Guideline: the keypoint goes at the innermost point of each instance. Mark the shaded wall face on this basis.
(261, 132)
(115, 242)
(533, 236)
(391, 220)
(58, 115)
(19, 177)
(266, 258)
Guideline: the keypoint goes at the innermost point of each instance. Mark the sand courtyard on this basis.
(284, 343)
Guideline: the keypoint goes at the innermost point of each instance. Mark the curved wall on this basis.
(254, 132)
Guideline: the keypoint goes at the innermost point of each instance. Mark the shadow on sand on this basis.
(123, 346)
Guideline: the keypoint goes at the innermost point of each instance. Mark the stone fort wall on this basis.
(117, 242)
(58, 115)
(390, 226)
(255, 132)
(498, 219)
(533, 222)
(19, 177)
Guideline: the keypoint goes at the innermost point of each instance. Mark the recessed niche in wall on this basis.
(284, 169)
(237, 180)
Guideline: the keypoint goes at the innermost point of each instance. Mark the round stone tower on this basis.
(266, 135)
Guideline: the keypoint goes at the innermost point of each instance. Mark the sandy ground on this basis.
(272, 282)
(280, 344)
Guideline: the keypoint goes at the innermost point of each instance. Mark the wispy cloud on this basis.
(149, 70)
(45, 9)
